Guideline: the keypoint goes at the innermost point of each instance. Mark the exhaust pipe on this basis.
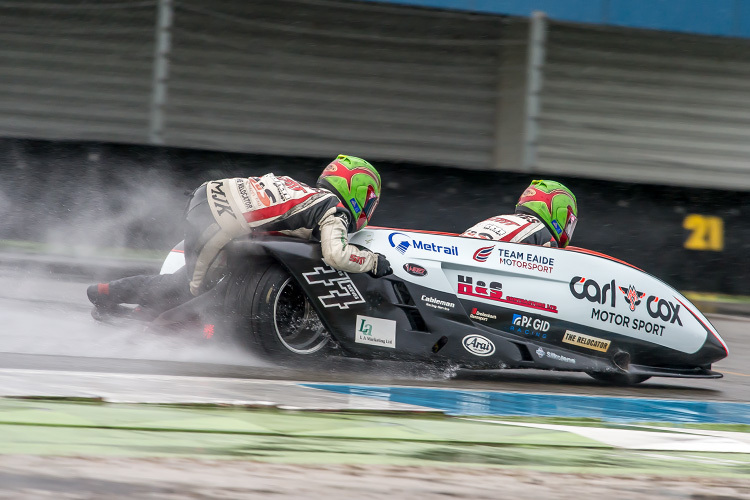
(622, 360)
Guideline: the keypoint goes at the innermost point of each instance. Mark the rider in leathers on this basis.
(219, 211)
(546, 215)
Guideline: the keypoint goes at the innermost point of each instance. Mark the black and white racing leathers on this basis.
(224, 209)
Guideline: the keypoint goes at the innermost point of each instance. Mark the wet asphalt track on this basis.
(45, 325)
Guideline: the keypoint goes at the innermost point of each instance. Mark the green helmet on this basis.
(555, 205)
(357, 185)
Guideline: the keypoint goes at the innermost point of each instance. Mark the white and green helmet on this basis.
(357, 185)
(553, 204)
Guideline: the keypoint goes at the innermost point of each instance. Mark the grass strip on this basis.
(280, 436)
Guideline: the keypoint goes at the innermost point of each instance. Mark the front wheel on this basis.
(274, 312)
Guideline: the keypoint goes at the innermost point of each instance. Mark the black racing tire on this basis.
(273, 315)
(618, 378)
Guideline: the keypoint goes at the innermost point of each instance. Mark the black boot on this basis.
(99, 296)
(154, 292)
(106, 306)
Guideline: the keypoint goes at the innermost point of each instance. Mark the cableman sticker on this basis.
(341, 291)
(375, 331)
(437, 303)
(586, 341)
(494, 292)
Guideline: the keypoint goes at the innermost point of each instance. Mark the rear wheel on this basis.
(274, 314)
(618, 378)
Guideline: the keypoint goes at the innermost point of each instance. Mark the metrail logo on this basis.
(402, 242)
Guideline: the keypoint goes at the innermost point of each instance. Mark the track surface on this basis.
(46, 325)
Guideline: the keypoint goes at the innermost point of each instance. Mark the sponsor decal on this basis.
(503, 220)
(526, 260)
(483, 254)
(632, 295)
(478, 345)
(583, 288)
(494, 292)
(498, 231)
(341, 291)
(401, 243)
(437, 303)
(375, 331)
(626, 321)
(265, 196)
(415, 270)
(244, 195)
(474, 234)
(530, 326)
(557, 226)
(661, 309)
(292, 184)
(220, 201)
(355, 206)
(357, 259)
(587, 341)
(281, 189)
(478, 315)
(553, 355)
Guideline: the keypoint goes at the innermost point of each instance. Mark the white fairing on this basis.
(564, 284)
(174, 261)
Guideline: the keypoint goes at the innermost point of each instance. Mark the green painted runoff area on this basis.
(44, 427)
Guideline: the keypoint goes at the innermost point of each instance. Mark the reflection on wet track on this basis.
(605, 408)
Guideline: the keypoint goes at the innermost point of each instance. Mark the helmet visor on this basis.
(570, 227)
(370, 202)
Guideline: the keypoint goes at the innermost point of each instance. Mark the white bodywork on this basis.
(589, 289)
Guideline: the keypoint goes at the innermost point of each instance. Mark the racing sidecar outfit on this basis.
(516, 228)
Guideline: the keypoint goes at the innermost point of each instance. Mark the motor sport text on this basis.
(494, 292)
(525, 260)
(626, 322)
(659, 309)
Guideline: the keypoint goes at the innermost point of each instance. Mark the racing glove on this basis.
(382, 267)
